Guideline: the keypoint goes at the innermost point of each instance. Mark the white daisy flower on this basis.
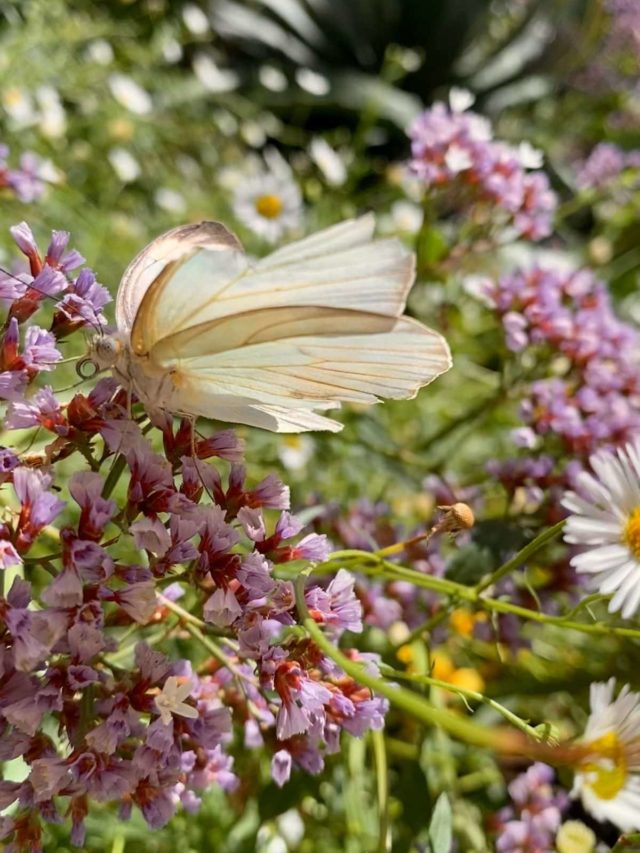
(607, 520)
(608, 773)
(130, 94)
(124, 164)
(171, 698)
(269, 204)
(295, 451)
(330, 163)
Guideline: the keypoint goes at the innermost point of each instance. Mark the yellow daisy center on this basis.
(606, 766)
(269, 205)
(631, 533)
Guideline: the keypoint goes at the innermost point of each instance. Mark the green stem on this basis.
(189, 618)
(370, 564)
(521, 557)
(113, 476)
(215, 650)
(508, 715)
(401, 698)
(382, 788)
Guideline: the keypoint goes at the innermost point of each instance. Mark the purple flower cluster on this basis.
(136, 727)
(606, 163)
(624, 30)
(530, 823)
(454, 154)
(25, 181)
(565, 319)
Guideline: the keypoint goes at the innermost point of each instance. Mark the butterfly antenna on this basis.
(31, 441)
(194, 455)
(95, 324)
(75, 385)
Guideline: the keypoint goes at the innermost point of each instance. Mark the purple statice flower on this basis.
(57, 255)
(569, 313)
(86, 488)
(82, 304)
(302, 699)
(281, 767)
(534, 816)
(603, 164)
(43, 409)
(8, 554)
(338, 605)
(12, 286)
(453, 153)
(25, 181)
(40, 351)
(38, 507)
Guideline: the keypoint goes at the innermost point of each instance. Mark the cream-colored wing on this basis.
(291, 364)
(162, 255)
(340, 267)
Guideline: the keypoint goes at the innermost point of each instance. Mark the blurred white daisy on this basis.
(100, 51)
(606, 519)
(130, 94)
(170, 200)
(608, 772)
(124, 165)
(195, 19)
(460, 99)
(212, 77)
(295, 451)
(330, 163)
(270, 204)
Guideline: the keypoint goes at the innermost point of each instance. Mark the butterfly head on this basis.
(103, 353)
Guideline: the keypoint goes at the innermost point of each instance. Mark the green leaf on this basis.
(440, 828)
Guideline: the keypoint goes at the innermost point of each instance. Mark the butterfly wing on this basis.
(311, 325)
(164, 253)
(315, 363)
(338, 268)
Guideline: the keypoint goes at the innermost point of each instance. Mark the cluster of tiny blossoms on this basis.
(96, 711)
(534, 816)
(25, 181)
(565, 319)
(605, 164)
(454, 154)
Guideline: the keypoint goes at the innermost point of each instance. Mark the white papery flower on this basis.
(606, 519)
(460, 99)
(270, 204)
(328, 161)
(170, 200)
(608, 773)
(171, 698)
(195, 19)
(130, 95)
(124, 165)
(530, 157)
(212, 77)
(295, 451)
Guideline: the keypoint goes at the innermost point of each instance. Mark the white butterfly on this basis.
(201, 330)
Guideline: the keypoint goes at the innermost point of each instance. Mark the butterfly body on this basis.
(203, 331)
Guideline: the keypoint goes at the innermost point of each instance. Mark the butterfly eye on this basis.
(86, 368)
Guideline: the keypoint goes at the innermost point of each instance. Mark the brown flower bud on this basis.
(456, 517)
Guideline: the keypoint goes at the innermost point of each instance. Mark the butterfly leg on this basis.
(192, 419)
